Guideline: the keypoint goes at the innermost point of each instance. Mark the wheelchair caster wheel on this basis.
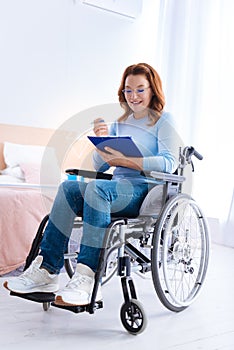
(133, 316)
(46, 306)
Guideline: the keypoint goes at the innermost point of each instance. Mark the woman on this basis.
(141, 97)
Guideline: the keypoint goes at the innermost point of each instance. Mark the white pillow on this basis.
(15, 171)
(15, 154)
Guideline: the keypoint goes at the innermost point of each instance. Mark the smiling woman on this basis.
(100, 200)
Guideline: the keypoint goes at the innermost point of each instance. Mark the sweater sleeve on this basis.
(169, 142)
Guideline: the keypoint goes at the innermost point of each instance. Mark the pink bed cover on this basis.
(21, 213)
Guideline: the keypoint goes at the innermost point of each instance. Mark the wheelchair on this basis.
(169, 238)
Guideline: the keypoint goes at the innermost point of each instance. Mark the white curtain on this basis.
(195, 57)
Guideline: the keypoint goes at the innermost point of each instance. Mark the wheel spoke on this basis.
(180, 252)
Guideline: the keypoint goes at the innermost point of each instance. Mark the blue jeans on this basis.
(96, 201)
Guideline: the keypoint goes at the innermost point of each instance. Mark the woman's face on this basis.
(138, 94)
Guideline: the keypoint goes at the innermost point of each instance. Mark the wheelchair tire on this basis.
(34, 250)
(180, 253)
(133, 316)
(111, 263)
(69, 267)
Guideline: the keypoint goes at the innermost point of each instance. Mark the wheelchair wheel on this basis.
(70, 256)
(33, 253)
(111, 265)
(133, 316)
(180, 253)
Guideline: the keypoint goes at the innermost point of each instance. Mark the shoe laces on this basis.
(33, 273)
(78, 280)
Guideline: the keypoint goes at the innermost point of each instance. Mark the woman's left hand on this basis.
(113, 157)
(116, 158)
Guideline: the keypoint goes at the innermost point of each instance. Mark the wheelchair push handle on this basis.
(188, 152)
(186, 157)
(196, 153)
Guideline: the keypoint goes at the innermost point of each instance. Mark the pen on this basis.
(99, 121)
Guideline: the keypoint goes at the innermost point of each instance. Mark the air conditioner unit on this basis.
(127, 8)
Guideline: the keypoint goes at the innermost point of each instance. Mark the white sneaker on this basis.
(33, 280)
(79, 289)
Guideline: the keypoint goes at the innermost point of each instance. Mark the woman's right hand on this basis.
(100, 127)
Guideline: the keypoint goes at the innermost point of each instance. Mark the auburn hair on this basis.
(157, 102)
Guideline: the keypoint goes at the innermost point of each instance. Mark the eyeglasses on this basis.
(138, 91)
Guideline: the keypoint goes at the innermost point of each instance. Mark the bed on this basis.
(23, 204)
(30, 173)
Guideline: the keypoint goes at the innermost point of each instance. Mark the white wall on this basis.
(59, 57)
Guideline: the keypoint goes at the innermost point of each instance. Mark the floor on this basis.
(207, 324)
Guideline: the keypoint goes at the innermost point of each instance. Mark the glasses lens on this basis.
(137, 91)
(127, 91)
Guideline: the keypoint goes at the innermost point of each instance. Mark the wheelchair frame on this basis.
(178, 241)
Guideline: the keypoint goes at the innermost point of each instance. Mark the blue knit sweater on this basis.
(159, 145)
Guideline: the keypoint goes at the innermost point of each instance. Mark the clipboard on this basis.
(123, 144)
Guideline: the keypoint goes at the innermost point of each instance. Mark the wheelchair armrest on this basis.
(99, 175)
(165, 176)
(89, 174)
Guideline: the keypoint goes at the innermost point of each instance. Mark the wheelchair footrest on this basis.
(79, 308)
(37, 297)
